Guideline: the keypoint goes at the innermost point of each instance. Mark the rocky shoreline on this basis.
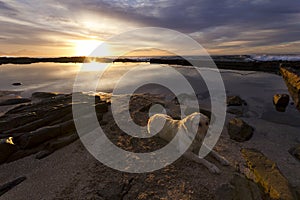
(253, 65)
(40, 128)
(291, 75)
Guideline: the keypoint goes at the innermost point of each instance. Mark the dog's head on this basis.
(196, 123)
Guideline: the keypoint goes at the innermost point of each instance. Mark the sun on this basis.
(85, 47)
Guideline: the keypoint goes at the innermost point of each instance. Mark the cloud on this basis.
(232, 24)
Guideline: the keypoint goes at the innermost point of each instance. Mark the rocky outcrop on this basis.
(265, 172)
(43, 126)
(281, 101)
(9, 102)
(47, 124)
(239, 130)
(238, 188)
(292, 80)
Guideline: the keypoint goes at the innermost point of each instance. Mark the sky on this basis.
(75, 28)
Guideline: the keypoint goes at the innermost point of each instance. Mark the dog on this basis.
(166, 128)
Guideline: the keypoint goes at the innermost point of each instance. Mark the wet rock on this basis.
(8, 186)
(17, 84)
(295, 151)
(239, 188)
(265, 172)
(235, 101)
(281, 101)
(236, 106)
(239, 130)
(9, 102)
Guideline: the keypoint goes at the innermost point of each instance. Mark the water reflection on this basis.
(256, 88)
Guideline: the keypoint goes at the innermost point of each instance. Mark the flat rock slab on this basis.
(9, 102)
(265, 172)
(239, 188)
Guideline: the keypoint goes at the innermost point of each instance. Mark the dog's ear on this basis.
(191, 122)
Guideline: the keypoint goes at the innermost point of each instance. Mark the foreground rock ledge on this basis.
(292, 80)
(266, 173)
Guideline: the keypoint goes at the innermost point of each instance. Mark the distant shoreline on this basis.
(225, 62)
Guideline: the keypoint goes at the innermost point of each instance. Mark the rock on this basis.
(235, 101)
(295, 151)
(40, 96)
(236, 105)
(41, 135)
(281, 101)
(265, 172)
(17, 84)
(239, 188)
(8, 186)
(56, 115)
(57, 144)
(102, 107)
(9, 102)
(291, 77)
(239, 130)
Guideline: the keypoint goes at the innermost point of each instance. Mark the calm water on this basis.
(256, 88)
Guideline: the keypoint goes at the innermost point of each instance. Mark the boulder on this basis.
(236, 105)
(281, 101)
(238, 188)
(239, 130)
(235, 101)
(295, 151)
(265, 172)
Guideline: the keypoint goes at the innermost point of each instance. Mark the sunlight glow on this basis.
(85, 47)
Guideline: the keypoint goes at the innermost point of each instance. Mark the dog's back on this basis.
(163, 126)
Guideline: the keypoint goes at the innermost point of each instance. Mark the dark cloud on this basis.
(5, 7)
(273, 21)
